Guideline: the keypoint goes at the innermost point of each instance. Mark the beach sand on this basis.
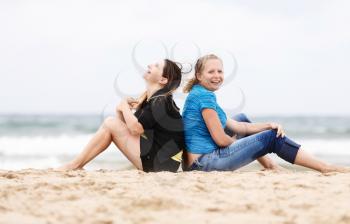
(107, 196)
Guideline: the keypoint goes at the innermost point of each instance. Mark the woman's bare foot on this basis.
(276, 168)
(333, 168)
(69, 166)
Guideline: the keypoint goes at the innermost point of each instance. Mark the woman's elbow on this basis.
(136, 129)
(135, 132)
(222, 142)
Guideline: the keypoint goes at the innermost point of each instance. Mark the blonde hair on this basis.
(198, 69)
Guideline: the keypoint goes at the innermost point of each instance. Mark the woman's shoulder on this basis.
(165, 102)
(201, 92)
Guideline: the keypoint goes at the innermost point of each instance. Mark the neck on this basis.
(151, 90)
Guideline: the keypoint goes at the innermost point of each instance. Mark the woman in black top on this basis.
(151, 138)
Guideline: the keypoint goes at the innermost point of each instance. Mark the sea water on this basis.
(47, 141)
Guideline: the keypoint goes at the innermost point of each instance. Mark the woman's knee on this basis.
(268, 132)
(115, 126)
(109, 122)
(269, 135)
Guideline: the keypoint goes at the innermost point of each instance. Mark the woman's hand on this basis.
(123, 105)
(132, 102)
(278, 127)
(129, 103)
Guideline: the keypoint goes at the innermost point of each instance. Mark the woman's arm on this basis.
(119, 114)
(133, 103)
(245, 128)
(216, 131)
(133, 125)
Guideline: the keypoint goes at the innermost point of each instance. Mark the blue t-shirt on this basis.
(197, 137)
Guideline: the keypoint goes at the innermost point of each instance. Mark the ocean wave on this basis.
(48, 125)
(45, 145)
(19, 152)
(75, 125)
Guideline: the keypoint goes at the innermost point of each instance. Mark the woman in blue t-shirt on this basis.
(210, 146)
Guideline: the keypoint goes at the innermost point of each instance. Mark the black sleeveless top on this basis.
(163, 137)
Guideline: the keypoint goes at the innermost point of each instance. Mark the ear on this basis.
(199, 77)
(163, 81)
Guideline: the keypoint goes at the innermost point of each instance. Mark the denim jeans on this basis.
(246, 149)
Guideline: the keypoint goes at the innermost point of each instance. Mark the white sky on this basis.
(63, 56)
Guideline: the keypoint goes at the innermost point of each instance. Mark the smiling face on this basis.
(212, 75)
(154, 74)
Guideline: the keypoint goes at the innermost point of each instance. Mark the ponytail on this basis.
(193, 81)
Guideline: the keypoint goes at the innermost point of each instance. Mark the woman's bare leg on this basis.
(267, 162)
(97, 144)
(305, 159)
(127, 143)
(112, 129)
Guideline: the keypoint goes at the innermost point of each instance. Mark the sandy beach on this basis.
(107, 196)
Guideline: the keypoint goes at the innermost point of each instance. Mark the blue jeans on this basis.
(246, 149)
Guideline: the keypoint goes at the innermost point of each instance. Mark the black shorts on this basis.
(152, 164)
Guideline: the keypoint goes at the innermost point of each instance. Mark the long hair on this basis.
(198, 69)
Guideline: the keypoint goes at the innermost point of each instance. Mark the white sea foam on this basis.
(51, 151)
(19, 152)
(42, 145)
(336, 147)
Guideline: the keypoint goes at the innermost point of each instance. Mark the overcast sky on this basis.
(64, 56)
